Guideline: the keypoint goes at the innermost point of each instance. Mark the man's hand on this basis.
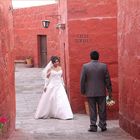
(110, 96)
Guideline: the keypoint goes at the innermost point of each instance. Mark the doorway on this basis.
(42, 43)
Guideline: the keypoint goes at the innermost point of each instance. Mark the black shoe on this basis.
(92, 130)
(103, 129)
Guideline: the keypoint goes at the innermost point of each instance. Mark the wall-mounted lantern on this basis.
(45, 23)
(60, 26)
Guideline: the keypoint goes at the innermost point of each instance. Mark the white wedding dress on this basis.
(54, 102)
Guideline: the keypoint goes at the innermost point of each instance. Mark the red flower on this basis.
(3, 120)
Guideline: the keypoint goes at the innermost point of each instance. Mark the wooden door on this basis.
(43, 50)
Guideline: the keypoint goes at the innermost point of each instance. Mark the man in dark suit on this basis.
(94, 81)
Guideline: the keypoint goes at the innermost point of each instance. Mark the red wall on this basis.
(129, 65)
(92, 25)
(27, 25)
(63, 40)
(7, 92)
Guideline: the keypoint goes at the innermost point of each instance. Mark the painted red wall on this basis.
(7, 92)
(91, 25)
(129, 65)
(63, 41)
(28, 25)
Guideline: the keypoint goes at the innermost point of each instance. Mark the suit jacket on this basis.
(95, 79)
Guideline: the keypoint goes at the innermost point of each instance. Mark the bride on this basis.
(54, 102)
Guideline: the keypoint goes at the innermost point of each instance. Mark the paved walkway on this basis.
(29, 87)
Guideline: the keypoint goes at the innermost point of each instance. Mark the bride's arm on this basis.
(48, 73)
(47, 80)
(62, 80)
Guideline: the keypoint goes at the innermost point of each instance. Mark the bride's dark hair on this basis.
(54, 58)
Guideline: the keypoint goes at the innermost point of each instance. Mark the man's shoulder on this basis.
(103, 64)
(90, 64)
(86, 64)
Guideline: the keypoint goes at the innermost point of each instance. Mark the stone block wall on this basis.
(7, 87)
(129, 65)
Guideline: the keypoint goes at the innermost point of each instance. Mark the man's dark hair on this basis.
(54, 58)
(94, 55)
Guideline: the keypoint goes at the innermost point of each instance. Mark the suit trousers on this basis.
(97, 106)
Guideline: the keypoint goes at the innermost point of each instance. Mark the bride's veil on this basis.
(44, 72)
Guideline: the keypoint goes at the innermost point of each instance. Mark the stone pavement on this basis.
(29, 86)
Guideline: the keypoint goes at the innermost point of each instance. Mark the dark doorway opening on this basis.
(42, 43)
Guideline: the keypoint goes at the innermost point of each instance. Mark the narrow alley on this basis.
(29, 86)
